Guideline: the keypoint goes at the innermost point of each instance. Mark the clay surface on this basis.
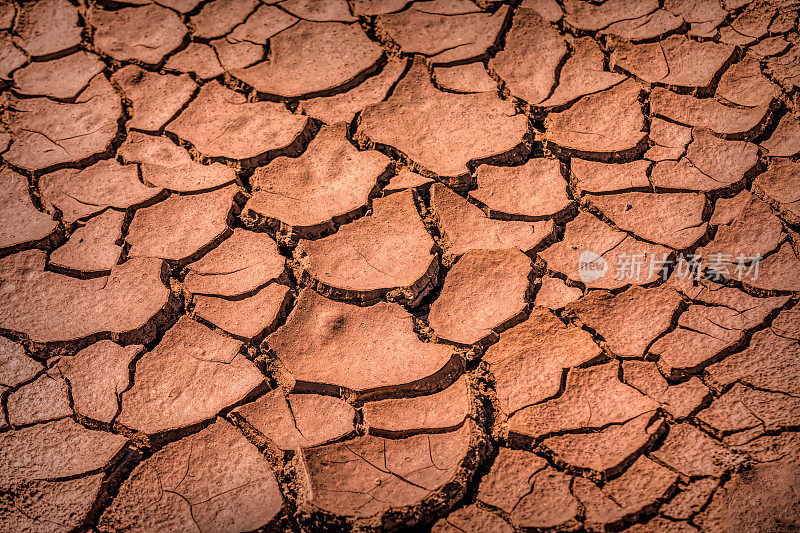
(206, 367)
(399, 265)
(319, 329)
(221, 122)
(405, 122)
(484, 291)
(328, 183)
(387, 251)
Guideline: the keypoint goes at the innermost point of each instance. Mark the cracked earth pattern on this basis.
(314, 265)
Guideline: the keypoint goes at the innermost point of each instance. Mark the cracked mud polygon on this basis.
(380, 265)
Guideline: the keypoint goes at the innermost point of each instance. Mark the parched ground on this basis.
(320, 265)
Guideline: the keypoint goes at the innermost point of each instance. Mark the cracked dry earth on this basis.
(298, 265)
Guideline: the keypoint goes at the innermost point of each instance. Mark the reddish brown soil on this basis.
(378, 265)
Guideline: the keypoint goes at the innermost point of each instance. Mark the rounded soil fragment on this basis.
(327, 345)
(219, 122)
(312, 58)
(46, 133)
(328, 184)
(212, 480)
(376, 482)
(205, 366)
(582, 129)
(485, 292)
(52, 308)
(388, 251)
(433, 129)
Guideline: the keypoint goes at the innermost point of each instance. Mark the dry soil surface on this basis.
(372, 265)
